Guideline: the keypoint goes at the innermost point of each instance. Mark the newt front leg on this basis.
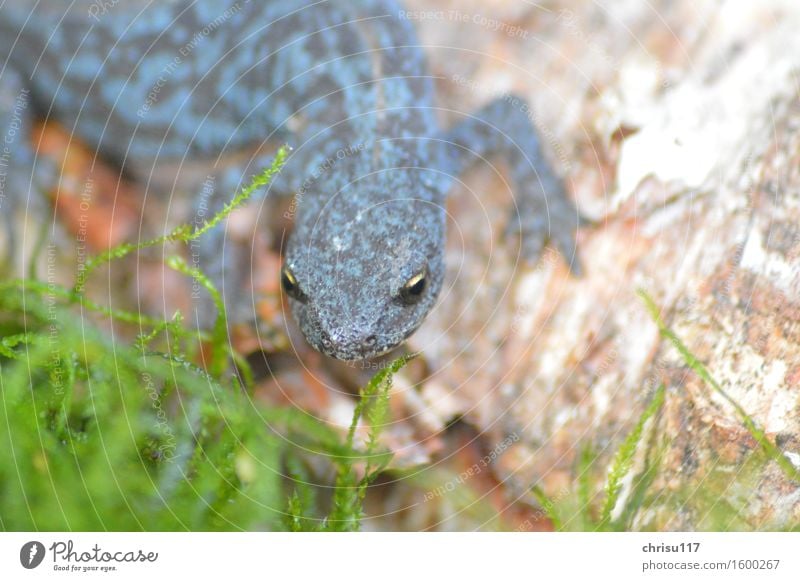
(503, 128)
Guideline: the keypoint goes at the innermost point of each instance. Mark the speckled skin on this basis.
(345, 83)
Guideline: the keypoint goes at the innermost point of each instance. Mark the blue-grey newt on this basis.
(344, 82)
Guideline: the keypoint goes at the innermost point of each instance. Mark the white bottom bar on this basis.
(402, 556)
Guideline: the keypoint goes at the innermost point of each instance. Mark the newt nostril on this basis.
(326, 340)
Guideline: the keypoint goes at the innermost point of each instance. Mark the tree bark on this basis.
(675, 126)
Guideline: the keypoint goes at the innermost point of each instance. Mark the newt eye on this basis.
(414, 288)
(290, 284)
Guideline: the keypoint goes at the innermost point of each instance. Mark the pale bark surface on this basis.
(675, 125)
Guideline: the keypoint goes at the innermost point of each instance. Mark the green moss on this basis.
(597, 494)
(97, 433)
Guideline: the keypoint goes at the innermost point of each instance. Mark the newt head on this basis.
(362, 268)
